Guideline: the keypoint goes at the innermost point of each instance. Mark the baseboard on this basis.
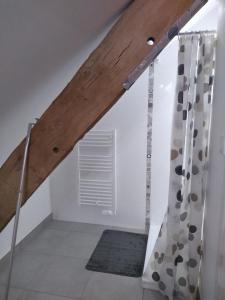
(35, 231)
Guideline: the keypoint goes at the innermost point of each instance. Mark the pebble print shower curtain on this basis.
(176, 259)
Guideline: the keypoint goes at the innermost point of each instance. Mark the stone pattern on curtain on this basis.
(176, 258)
(149, 145)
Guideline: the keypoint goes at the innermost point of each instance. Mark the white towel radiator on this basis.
(97, 170)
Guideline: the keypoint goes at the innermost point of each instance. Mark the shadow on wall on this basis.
(38, 38)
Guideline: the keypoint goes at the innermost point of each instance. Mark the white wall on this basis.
(213, 270)
(12, 129)
(163, 102)
(129, 118)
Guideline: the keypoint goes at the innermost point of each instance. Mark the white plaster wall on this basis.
(213, 269)
(129, 118)
(164, 94)
(163, 103)
(12, 129)
(32, 214)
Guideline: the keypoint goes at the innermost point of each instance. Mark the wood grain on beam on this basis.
(90, 94)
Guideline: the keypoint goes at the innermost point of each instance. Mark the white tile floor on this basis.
(50, 264)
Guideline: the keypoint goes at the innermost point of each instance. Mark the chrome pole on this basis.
(18, 206)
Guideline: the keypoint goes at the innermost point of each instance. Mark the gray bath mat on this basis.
(119, 252)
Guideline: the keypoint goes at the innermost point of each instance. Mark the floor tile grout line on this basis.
(85, 288)
(23, 248)
(40, 292)
(56, 255)
(72, 231)
(48, 226)
(80, 260)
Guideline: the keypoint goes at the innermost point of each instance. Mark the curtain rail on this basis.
(197, 32)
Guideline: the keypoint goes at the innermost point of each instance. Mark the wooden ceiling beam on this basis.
(91, 93)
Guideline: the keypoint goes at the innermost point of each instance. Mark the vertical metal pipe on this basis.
(18, 206)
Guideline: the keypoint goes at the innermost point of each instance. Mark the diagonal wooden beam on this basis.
(90, 94)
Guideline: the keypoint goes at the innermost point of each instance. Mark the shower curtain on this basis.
(175, 263)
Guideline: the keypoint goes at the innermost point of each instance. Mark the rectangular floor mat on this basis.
(119, 252)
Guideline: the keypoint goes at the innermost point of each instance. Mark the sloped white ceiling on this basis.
(38, 36)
